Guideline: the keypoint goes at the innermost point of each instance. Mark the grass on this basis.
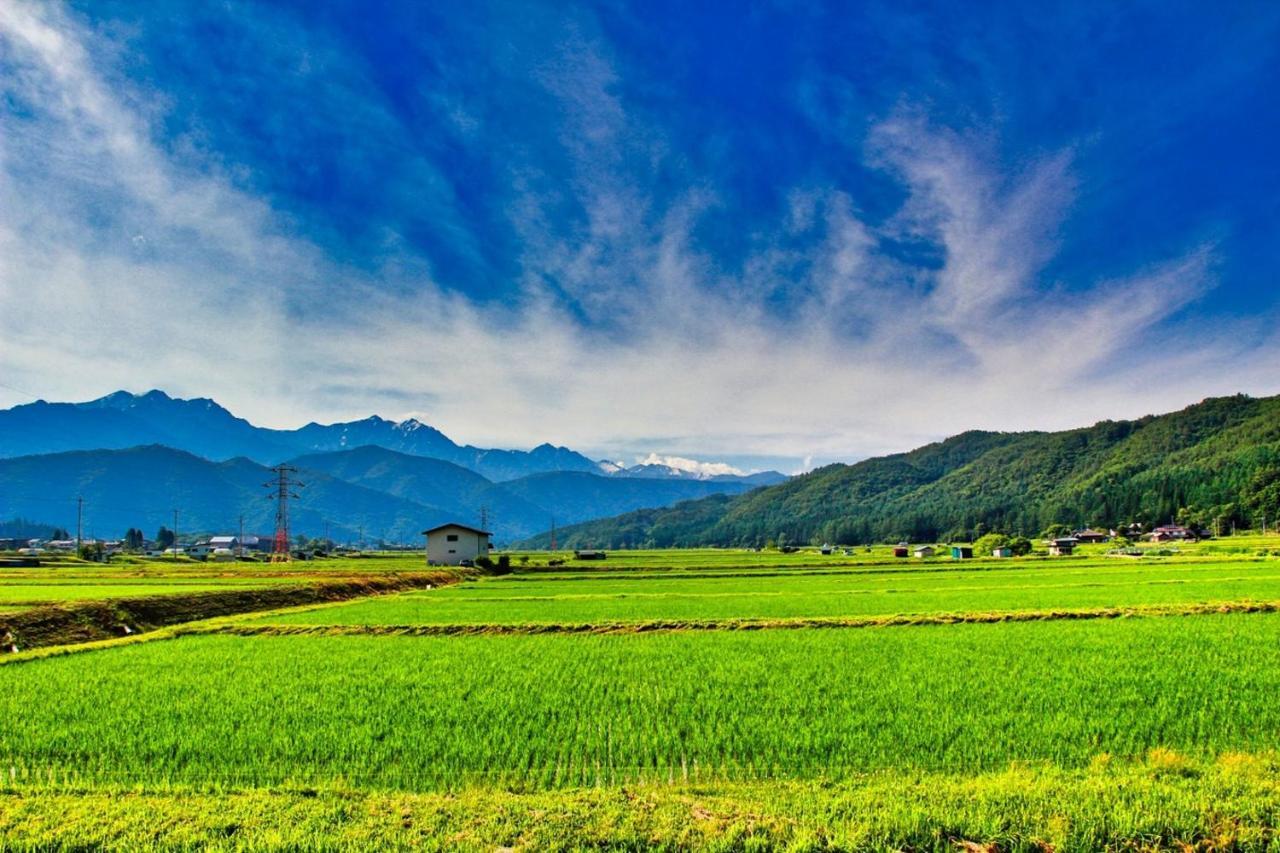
(66, 591)
(553, 711)
(74, 622)
(1077, 735)
(1161, 801)
(1011, 586)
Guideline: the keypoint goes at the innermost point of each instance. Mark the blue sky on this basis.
(770, 233)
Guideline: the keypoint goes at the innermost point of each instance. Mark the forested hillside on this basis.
(1217, 462)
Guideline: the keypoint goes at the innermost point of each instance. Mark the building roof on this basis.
(467, 527)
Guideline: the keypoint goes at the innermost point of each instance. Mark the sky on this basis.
(759, 234)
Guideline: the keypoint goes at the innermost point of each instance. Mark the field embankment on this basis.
(1161, 801)
(90, 621)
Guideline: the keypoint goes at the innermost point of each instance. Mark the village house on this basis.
(453, 544)
(1092, 536)
(1171, 533)
(1063, 547)
(235, 543)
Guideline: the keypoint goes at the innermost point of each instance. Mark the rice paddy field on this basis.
(674, 700)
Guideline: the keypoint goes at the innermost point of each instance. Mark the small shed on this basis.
(900, 551)
(589, 555)
(961, 552)
(925, 551)
(1002, 552)
(826, 550)
(450, 544)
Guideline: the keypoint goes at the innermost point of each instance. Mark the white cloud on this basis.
(219, 298)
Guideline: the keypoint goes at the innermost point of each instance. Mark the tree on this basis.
(133, 539)
(1020, 546)
(165, 537)
(989, 543)
(1055, 531)
(1262, 495)
(60, 533)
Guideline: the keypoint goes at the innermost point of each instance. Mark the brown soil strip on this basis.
(740, 624)
(90, 621)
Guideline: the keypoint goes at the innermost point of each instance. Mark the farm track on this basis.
(95, 621)
(654, 625)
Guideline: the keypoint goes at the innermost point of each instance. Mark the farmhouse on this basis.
(235, 543)
(1091, 535)
(1171, 533)
(451, 544)
(1063, 547)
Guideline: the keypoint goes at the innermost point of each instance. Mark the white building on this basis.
(451, 544)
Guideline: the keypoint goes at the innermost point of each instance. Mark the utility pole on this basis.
(362, 539)
(240, 540)
(79, 522)
(328, 540)
(175, 535)
(553, 534)
(281, 491)
(484, 518)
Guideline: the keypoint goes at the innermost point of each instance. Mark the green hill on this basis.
(1217, 462)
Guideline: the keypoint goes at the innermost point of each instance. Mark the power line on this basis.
(19, 391)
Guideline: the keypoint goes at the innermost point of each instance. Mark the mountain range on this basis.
(1216, 463)
(136, 458)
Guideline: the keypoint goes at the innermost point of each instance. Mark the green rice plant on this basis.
(553, 711)
(611, 598)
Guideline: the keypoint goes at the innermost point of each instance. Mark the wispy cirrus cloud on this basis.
(628, 331)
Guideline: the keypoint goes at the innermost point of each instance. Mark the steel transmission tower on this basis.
(281, 491)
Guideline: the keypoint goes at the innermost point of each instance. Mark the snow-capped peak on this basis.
(701, 470)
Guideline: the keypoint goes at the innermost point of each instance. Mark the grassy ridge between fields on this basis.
(92, 621)
(1163, 801)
